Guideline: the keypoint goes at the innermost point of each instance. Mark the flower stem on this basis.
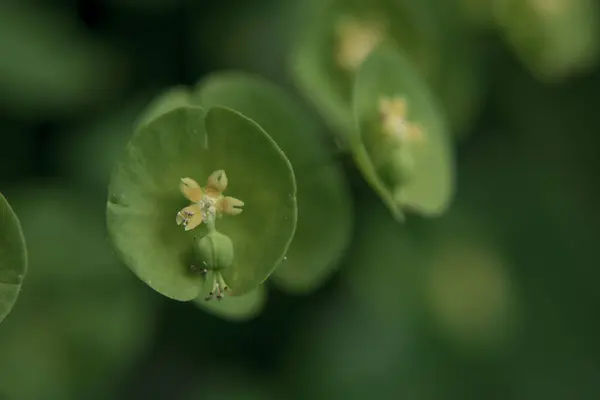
(210, 224)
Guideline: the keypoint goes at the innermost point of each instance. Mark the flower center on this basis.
(356, 39)
(397, 126)
(208, 207)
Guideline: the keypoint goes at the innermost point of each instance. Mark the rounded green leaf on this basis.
(323, 196)
(235, 308)
(410, 162)
(13, 258)
(144, 199)
(175, 97)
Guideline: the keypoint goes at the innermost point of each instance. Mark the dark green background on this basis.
(527, 200)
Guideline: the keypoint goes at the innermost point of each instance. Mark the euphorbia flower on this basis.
(395, 123)
(208, 203)
(356, 40)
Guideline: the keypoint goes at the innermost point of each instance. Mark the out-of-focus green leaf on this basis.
(554, 39)
(408, 173)
(323, 198)
(231, 381)
(344, 352)
(15, 159)
(461, 79)
(89, 152)
(383, 264)
(13, 258)
(474, 12)
(49, 65)
(235, 308)
(82, 320)
(144, 198)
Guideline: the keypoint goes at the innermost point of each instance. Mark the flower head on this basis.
(208, 203)
(356, 41)
(395, 123)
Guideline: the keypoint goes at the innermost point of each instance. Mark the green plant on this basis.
(13, 258)
(244, 136)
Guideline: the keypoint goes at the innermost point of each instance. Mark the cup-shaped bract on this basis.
(234, 308)
(178, 143)
(324, 204)
(13, 258)
(401, 142)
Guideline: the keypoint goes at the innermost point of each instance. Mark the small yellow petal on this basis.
(415, 132)
(384, 105)
(398, 107)
(190, 217)
(194, 222)
(217, 181)
(229, 205)
(190, 189)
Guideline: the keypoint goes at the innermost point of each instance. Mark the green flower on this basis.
(175, 144)
(208, 203)
(401, 142)
(395, 124)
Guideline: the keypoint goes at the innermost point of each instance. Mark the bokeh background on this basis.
(497, 299)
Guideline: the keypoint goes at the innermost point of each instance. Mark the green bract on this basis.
(13, 258)
(177, 139)
(323, 197)
(414, 172)
(553, 38)
(236, 308)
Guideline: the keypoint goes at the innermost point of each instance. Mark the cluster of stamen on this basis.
(356, 39)
(208, 206)
(184, 217)
(394, 121)
(219, 288)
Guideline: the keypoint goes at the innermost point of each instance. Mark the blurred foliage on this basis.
(496, 299)
(81, 320)
(50, 64)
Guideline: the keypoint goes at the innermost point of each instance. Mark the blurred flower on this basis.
(356, 41)
(395, 122)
